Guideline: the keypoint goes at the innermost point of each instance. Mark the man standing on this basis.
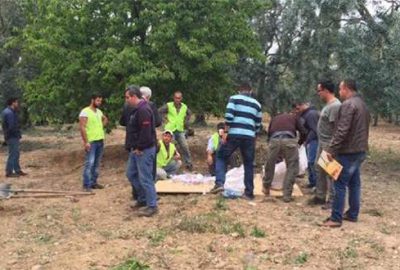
(178, 116)
(168, 159)
(12, 136)
(91, 125)
(326, 125)
(141, 144)
(310, 117)
(349, 145)
(243, 118)
(282, 137)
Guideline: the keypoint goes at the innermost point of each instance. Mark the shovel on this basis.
(6, 192)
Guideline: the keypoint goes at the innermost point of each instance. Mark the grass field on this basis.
(192, 231)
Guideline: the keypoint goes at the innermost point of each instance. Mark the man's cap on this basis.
(168, 132)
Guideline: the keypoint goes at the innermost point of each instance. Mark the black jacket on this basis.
(310, 121)
(140, 128)
(127, 110)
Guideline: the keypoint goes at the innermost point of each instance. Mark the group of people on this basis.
(340, 129)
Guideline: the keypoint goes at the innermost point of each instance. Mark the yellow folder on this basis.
(332, 168)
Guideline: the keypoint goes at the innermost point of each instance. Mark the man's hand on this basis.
(177, 156)
(137, 152)
(209, 160)
(87, 147)
(329, 156)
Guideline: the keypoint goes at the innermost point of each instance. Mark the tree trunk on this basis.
(376, 117)
(397, 121)
(200, 120)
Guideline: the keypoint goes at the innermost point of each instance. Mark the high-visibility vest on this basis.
(162, 156)
(215, 141)
(94, 124)
(176, 120)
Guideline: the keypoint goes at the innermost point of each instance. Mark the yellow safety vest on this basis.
(94, 125)
(215, 140)
(162, 156)
(176, 120)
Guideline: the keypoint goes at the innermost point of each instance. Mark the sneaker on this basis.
(287, 199)
(348, 218)
(247, 197)
(316, 201)
(147, 211)
(12, 175)
(97, 186)
(328, 223)
(266, 191)
(87, 189)
(135, 205)
(21, 173)
(327, 206)
(216, 189)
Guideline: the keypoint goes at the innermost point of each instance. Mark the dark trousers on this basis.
(247, 150)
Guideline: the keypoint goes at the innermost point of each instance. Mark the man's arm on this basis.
(258, 121)
(82, 127)
(187, 117)
(345, 119)
(230, 112)
(104, 119)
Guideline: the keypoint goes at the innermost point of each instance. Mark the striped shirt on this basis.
(243, 116)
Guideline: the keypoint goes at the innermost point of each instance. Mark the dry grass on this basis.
(190, 232)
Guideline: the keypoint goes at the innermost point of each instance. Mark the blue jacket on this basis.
(10, 124)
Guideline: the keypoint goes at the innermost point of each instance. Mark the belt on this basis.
(283, 135)
(97, 141)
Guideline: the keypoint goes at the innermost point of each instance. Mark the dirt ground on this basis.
(192, 231)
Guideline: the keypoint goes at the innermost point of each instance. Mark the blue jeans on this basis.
(139, 171)
(92, 164)
(183, 147)
(349, 177)
(311, 149)
(247, 150)
(13, 156)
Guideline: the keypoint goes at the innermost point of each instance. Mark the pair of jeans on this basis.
(311, 149)
(349, 177)
(140, 172)
(183, 146)
(92, 163)
(13, 156)
(288, 149)
(171, 168)
(247, 150)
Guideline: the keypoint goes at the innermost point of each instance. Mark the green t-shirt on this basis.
(326, 123)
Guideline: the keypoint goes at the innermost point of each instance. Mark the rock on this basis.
(37, 267)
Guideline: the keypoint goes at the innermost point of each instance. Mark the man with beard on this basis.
(91, 125)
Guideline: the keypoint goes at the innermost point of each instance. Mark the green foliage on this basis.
(221, 204)
(214, 222)
(132, 264)
(302, 258)
(257, 232)
(81, 47)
